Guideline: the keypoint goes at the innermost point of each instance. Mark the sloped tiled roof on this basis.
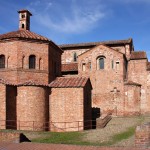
(138, 55)
(114, 42)
(69, 67)
(24, 34)
(68, 82)
(24, 10)
(132, 83)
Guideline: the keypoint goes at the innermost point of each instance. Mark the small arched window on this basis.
(23, 59)
(112, 64)
(101, 62)
(2, 61)
(117, 65)
(32, 61)
(75, 57)
(22, 26)
(90, 66)
(40, 64)
(8, 61)
(23, 16)
(83, 67)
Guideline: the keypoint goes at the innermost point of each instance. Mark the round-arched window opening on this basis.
(32, 61)
(2, 61)
(22, 26)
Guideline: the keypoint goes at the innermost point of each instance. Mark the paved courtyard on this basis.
(38, 146)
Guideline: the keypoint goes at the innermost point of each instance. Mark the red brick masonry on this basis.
(37, 146)
(142, 135)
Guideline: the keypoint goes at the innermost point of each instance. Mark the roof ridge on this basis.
(95, 43)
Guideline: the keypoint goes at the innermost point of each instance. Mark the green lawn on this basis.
(77, 138)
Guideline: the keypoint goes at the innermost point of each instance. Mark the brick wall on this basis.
(66, 109)
(132, 100)
(17, 52)
(54, 63)
(107, 83)
(2, 106)
(142, 136)
(32, 108)
(137, 72)
(10, 137)
(67, 56)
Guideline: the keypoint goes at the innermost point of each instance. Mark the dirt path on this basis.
(115, 126)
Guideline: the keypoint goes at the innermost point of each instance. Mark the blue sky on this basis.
(75, 21)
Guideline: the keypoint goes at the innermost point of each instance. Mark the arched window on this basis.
(2, 61)
(22, 26)
(23, 59)
(23, 16)
(8, 61)
(90, 66)
(112, 64)
(75, 57)
(32, 61)
(40, 64)
(101, 62)
(83, 67)
(117, 65)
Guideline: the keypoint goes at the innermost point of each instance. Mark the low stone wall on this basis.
(13, 137)
(10, 136)
(142, 136)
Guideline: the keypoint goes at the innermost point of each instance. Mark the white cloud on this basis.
(70, 17)
(72, 24)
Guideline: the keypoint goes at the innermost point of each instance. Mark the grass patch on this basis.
(124, 135)
(61, 138)
(76, 138)
(119, 137)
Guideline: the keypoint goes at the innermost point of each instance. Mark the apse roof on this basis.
(23, 34)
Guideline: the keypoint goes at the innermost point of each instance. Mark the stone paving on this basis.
(39, 146)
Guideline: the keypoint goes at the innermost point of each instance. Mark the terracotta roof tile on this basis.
(24, 10)
(128, 41)
(68, 82)
(69, 67)
(132, 83)
(138, 55)
(25, 34)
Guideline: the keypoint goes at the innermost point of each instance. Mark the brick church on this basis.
(44, 86)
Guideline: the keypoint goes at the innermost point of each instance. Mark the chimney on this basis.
(24, 19)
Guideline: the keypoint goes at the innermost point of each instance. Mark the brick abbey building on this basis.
(44, 86)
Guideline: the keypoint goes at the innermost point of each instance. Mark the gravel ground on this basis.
(115, 126)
